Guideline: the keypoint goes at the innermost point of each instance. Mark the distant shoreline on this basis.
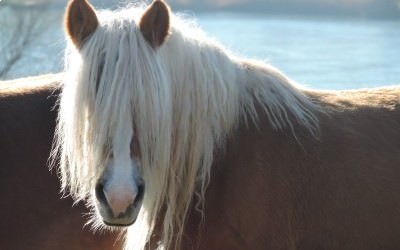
(373, 11)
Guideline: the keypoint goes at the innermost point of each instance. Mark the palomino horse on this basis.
(168, 134)
(33, 215)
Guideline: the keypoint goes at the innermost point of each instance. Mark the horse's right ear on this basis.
(80, 21)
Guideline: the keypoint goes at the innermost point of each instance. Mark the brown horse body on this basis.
(267, 190)
(340, 191)
(33, 215)
(274, 184)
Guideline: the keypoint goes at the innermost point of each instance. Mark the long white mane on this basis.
(183, 100)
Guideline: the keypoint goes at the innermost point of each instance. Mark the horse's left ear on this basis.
(154, 23)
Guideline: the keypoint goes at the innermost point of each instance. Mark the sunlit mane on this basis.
(182, 100)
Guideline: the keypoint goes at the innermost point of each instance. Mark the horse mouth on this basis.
(119, 224)
(123, 220)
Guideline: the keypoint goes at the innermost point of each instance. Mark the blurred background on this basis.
(323, 44)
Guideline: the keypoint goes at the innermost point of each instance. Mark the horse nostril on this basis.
(99, 190)
(140, 192)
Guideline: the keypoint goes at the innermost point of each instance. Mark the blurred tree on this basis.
(21, 24)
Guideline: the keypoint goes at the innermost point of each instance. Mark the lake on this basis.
(316, 52)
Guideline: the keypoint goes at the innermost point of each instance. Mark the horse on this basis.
(181, 144)
(33, 215)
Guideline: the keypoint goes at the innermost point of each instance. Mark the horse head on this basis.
(147, 100)
(104, 56)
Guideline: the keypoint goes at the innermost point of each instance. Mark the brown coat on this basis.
(32, 214)
(340, 191)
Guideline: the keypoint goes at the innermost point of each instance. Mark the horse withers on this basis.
(33, 214)
(188, 146)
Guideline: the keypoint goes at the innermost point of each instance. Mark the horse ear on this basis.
(154, 23)
(80, 21)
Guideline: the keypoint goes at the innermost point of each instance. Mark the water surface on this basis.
(319, 53)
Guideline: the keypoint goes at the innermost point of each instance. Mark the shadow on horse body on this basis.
(190, 147)
(33, 214)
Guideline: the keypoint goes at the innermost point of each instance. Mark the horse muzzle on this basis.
(118, 206)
